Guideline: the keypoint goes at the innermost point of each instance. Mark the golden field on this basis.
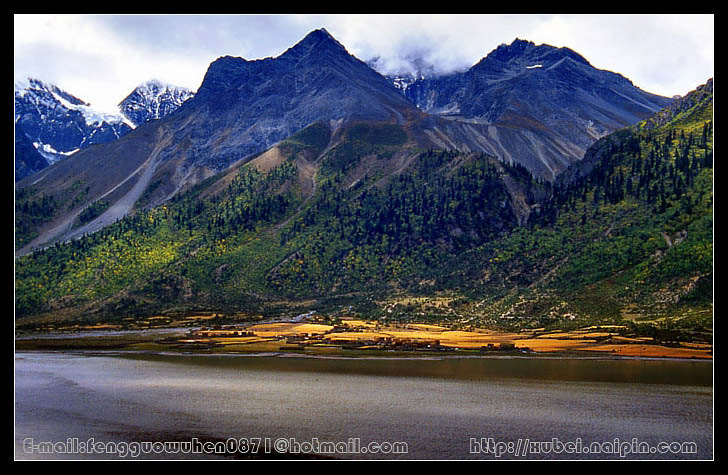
(593, 340)
(353, 334)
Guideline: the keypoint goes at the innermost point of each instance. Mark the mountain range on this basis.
(310, 182)
(244, 107)
(58, 123)
(539, 105)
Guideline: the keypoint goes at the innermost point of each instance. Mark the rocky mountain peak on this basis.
(317, 41)
(526, 53)
(317, 49)
(517, 48)
(153, 100)
(49, 92)
(58, 123)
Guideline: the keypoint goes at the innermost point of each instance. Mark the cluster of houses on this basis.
(222, 331)
(301, 340)
(382, 343)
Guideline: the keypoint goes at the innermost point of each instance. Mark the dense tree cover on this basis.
(363, 235)
(641, 166)
(425, 205)
(149, 243)
(634, 232)
(30, 212)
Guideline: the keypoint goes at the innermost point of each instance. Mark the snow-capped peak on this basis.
(38, 87)
(155, 88)
(58, 123)
(51, 96)
(153, 100)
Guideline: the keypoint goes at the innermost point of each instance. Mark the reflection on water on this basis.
(435, 406)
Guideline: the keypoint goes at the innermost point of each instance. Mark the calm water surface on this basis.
(440, 408)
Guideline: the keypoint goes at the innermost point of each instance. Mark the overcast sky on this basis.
(101, 58)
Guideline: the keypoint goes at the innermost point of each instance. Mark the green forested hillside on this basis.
(628, 241)
(362, 220)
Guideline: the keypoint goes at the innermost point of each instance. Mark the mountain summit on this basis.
(317, 42)
(153, 100)
(248, 106)
(314, 79)
(554, 94)
(242, 108)
(524, 52)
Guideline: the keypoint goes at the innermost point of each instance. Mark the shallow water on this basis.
(437, 408)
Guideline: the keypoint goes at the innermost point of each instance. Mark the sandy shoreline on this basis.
(383, 357)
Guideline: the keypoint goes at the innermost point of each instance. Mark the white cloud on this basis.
(663, 54)
(99, 64)
(101, 58)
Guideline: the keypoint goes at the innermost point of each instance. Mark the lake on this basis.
(75, 405)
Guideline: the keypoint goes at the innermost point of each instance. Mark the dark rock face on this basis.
(250, 105)
(525, 71)
(550, 92)
(27, 159)
(153, 100)
(60, 123)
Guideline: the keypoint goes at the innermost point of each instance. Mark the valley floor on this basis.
(352, 337)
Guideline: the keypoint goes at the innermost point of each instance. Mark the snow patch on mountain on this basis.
(50, 153)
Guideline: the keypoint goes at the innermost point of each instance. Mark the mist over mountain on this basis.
(413, 68)
(540, 106)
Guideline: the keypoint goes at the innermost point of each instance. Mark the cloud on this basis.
(101, 58)
(663, 54)
(449, 42)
